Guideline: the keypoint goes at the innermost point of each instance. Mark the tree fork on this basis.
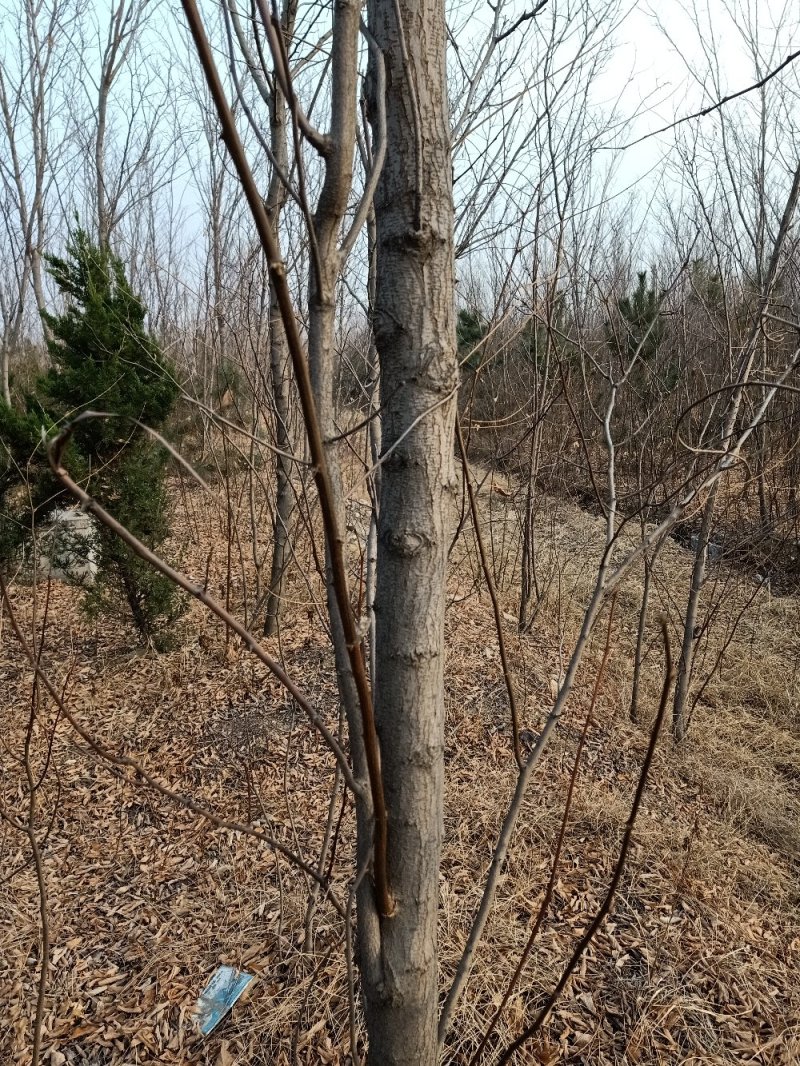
(321, 475)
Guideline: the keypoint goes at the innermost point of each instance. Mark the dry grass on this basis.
(697, 963)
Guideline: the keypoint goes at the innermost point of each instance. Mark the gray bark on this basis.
(284, 496)
(640, 635)
(280, 365)
(415, 340)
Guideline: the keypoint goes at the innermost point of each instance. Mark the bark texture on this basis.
(280, 362)
(415, 339)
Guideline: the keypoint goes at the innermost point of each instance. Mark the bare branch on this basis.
(707, 110)
(597, 921)
(523, 18)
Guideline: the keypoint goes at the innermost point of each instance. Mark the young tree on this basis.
(32, 74)
(640, 329)
(415, 337)
(103, 356)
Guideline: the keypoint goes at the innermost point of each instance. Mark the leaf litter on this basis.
(697, 962)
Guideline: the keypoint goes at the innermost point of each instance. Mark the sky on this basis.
(648, 75)
(658, 46)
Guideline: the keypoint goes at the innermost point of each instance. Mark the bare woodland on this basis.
(450, 683)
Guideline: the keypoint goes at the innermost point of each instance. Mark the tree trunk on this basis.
(103, 220)
(11, 341)
(415, 339)
(284, 496)
(280, 364)
(640, 635)
(690, 620)
(744, 370)
(5, 377)
(529, 584)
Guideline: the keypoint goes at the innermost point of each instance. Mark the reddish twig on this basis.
(333, 535)
(498, 618)
(548, 892)
(588, 936)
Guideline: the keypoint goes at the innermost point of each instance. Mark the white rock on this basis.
(68, 547)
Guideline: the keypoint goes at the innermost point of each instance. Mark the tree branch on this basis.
(711, 107)
(597, 921)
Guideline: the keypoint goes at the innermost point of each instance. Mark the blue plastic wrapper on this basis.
(225, 987)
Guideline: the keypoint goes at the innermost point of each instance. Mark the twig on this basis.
(526, 16)
(322, 861)
(498, 618)
(597, 921)
(548, 892)
(497, 865)
(350, 960)
(152, 782)
(274, 34)
(711, 107)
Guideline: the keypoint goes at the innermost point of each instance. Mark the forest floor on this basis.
(698, 961)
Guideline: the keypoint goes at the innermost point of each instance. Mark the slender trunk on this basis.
(640, 632)
(280, 364)
(690, 621)
(743, 374)
(530, 584)
(284, 501)
(5, 368)
(415, 340)
(374, 453)
(762, 447)
(103, 221)
(11, 341)
(763, 502)
(5, 378)
(762, 460)
(38, 283)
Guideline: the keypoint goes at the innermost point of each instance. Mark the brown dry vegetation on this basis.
(697, 963)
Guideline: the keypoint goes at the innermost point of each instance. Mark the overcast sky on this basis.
(652, 67)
